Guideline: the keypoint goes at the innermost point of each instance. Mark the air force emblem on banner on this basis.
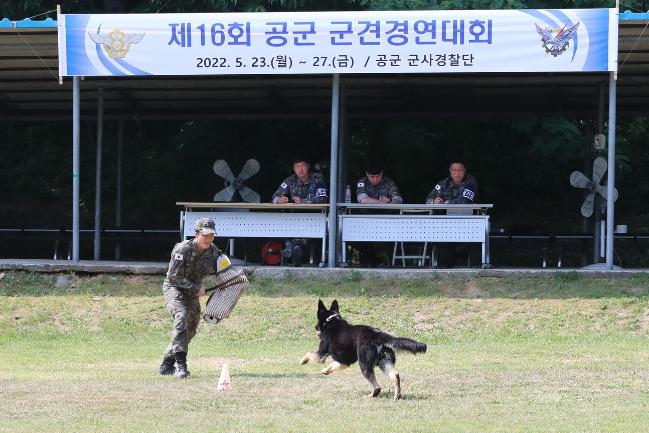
(116, 43)
(556, 44)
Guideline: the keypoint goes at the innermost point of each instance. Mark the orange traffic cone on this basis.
(224, 380)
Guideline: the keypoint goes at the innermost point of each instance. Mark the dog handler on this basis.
(191, 261)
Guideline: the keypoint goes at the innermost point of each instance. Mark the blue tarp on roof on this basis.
(634, 16)
(6, 23)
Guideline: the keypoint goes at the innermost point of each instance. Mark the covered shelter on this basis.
(30, 91)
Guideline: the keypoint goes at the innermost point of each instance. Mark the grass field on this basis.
(567, 353)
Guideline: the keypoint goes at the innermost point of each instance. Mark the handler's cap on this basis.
(205, 226)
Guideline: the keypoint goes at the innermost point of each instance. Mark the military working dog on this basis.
(350, 343)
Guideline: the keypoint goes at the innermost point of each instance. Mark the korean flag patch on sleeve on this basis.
(361, 184)
(284, 185)
(438, 187)
(178, 256)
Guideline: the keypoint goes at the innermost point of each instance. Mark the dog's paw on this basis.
(327, 371)
(304, 359)
(374, 393)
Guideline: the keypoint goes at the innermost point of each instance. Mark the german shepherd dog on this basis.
(350, 343)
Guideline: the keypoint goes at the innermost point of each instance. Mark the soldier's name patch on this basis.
(467, 193)
(178, 256)
(321, 192)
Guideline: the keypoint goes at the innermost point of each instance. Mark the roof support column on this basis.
(118, 186)
(333, 172)
(599, 250)
(342, 144)
(610, 187)
(75, 168)
(100, 139)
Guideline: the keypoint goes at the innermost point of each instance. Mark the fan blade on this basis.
(587, 206)
(599, 168)
(249, 195)
(250, 168)
(222, 169)
(578, 179)
(225, 194)
(603, 190)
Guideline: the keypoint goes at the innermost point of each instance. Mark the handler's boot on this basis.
(181, 362)
(167, 366)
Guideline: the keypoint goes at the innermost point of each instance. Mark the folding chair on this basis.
(419, 258)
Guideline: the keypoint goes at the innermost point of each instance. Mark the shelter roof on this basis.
(29, 87)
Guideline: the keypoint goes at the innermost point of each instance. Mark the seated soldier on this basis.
(303, 186)
(458, 188)
(377, 188)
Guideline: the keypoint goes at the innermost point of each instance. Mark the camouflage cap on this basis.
(205, 226)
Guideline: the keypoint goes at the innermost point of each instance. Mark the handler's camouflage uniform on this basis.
(463, 193)
(386, 188)
(180, 288)
(313, 191)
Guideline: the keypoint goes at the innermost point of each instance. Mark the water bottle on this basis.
(348, 194)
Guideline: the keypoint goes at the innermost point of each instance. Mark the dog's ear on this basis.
(334, 306)
(321, 306)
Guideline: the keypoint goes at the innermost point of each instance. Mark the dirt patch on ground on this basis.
(643, 320)
(421, 321)
(470, 290)
(638, 291)
(60, 324)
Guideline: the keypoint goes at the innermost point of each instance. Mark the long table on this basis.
(414, 223)
(259, 220)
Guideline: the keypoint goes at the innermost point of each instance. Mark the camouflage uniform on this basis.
(370, 252)
(187, 269)
(313, 191)
(386, 188)
(463, 193)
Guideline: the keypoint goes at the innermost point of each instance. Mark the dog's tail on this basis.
(402, 343)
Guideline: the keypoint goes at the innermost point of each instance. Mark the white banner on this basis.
(525, 40)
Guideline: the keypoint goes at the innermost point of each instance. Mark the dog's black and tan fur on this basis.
(369, 346)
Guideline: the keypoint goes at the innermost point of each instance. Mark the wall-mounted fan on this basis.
(235, 184)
